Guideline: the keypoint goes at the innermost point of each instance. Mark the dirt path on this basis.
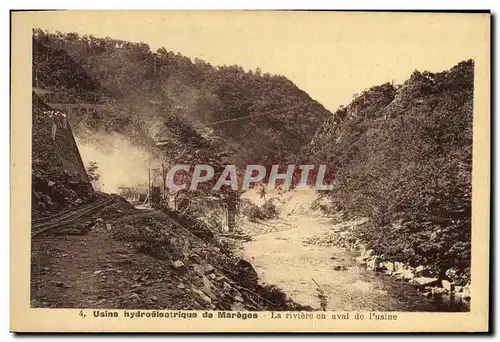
(97, 271)
(143, 260)
(283, 259)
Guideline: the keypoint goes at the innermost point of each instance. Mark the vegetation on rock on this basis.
(402, 156)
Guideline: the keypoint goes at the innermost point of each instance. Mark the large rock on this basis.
(404, 274)
(408, 275)
(208, 268)
(204, 234)
(208, 288)
(439, 291)
(419, 269)
(398, 266)
(203, 269)
(202, 295)
(179, 267)
(199, 270)
(388, 265)
(425, 281)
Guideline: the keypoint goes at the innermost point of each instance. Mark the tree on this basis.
(92, 171)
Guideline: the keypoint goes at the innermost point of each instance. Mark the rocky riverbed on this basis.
(316, 262)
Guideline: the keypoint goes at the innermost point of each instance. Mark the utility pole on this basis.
(165, 198)
(149, 185)
(231, 211)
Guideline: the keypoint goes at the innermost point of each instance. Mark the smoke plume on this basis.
(120, 162)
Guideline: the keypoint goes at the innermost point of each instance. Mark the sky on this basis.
(330, 55)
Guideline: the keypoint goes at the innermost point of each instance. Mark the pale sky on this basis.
(329, 55)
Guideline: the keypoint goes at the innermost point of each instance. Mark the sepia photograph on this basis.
(254, 165)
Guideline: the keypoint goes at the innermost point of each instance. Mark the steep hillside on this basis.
(402, 156)
(57, 71)
(261, 118)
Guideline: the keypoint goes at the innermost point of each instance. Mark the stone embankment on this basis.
(428, 284)
(420, 276)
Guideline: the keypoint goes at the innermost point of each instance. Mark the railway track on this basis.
(75, 216)
(42, 220)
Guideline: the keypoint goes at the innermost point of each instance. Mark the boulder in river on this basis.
(398, 266)
(439, 291)
(388, 265)
(408, 275)
(404, 274)
(425, 281)
(422, 271)
(419, 269)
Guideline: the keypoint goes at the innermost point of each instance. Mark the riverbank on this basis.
(327, 277)
(427, 283)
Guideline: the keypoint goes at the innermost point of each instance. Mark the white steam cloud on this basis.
(120, 162)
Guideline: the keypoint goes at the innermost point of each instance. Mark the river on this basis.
(281, 258)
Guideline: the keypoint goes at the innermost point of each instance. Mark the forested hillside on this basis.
(402, 156)
(265, 118)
